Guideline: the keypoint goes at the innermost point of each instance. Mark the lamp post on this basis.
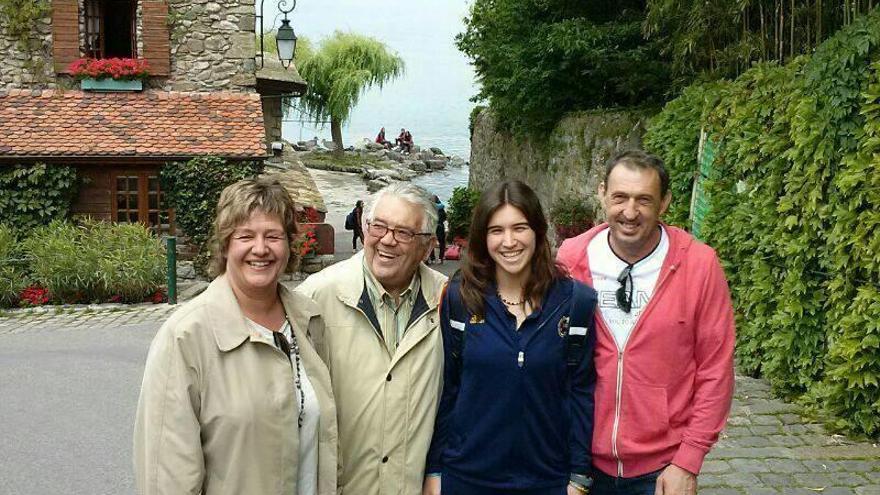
(285, 38)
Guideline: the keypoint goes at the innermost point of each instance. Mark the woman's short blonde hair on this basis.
(237, 202)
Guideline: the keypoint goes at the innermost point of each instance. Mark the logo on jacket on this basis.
(563, 326)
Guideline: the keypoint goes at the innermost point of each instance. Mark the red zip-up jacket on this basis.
(666, 397)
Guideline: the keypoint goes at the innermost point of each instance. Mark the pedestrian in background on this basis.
(516, 411)
(354, 222)
(441, 231)
(235, 399)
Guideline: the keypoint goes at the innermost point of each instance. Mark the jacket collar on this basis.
(228, 322)
(352, 287)
(679, 242)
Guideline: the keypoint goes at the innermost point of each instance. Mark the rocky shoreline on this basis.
(377, 165)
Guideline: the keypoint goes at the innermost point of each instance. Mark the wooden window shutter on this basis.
(65, 33)
(157, 41)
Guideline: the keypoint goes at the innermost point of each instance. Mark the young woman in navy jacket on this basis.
(516, 411)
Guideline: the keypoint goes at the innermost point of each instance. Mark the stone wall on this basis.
(212, 45)
(20, 69)
(570, 162)
(273, 116)
(212, 48)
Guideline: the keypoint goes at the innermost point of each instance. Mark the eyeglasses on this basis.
(624, 296)
(403, 236)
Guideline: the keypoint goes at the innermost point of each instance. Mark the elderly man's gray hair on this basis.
(410, 193)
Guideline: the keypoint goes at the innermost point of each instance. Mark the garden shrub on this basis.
(96, 261)
(34, 195)
(460, 208)
(193, 189)
(794, 217)
(572, 216)
(13, 278)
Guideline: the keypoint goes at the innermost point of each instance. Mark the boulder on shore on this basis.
(436, 164)
(418, 166)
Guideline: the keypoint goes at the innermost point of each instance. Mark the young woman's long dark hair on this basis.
(478, 269)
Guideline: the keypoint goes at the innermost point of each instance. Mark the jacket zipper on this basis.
(618, 391)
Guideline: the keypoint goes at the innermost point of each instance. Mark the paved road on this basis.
(69, 384)
(67, 401)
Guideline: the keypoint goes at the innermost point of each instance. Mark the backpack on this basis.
(575, 337)
(351, 220)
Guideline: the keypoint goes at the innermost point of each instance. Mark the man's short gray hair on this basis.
(410, 193)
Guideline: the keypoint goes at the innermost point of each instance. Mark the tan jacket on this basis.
(217, 412)
(386, 405)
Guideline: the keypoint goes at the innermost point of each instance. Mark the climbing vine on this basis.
(794, 216)
(19, 18)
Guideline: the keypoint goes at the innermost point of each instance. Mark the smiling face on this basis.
(510, 242)
(257, 254)
(633, 205)
(392, 262)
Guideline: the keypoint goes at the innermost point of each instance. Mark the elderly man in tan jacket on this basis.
(383, 345)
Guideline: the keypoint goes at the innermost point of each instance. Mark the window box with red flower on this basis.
(110, 74)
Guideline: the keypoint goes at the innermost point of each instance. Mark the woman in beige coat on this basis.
(235, 399)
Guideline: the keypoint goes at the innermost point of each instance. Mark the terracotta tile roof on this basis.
(151, 123)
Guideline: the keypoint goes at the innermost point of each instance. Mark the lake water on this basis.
(431, 99)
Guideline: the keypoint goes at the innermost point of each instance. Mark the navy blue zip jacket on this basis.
(510, 423)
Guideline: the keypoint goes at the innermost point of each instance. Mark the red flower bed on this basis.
(33, 296)
(123, 69)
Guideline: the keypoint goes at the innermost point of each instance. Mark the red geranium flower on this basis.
(124, 69)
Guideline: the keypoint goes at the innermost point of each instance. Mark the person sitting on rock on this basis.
(400, 139)
(406, 144)
(380, 139)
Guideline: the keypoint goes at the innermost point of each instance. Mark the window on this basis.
(138, 197)
(110, 28)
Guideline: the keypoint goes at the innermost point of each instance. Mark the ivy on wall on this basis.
(34, 195)
(794, 216)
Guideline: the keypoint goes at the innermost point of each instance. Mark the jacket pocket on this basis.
(644, 419)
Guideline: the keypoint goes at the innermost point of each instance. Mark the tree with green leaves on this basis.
(537, 60)
(338, 72)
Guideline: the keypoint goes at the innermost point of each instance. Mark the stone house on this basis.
(207, 94)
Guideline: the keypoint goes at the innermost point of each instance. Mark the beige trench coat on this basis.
(217, 412)
(386, 405)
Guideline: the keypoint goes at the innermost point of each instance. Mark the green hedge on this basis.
(193, 189)
(95, 261)
(794, 216)
(461, 206)
(34, 195)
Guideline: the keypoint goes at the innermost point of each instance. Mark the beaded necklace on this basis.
(293, 345)
(509, 303)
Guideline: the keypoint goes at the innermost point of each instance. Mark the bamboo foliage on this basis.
(724, 37)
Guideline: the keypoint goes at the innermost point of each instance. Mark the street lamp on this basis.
(285, 39)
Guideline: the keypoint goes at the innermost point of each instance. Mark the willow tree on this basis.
(338, 71)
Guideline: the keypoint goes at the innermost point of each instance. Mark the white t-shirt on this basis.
(605, 267)
(307, 480)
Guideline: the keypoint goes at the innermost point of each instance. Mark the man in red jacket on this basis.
(665, 336)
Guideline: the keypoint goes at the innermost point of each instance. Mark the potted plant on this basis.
(572, 216)
(110, 74)
(307, 244)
